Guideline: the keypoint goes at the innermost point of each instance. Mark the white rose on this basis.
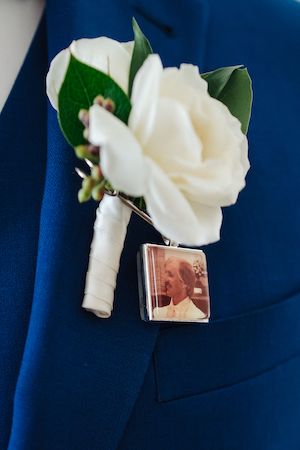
(102, 53)
(182, 150)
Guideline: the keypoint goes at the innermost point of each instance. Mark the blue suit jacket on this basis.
(69, 380)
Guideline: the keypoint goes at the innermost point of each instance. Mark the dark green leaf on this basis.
(233, 87)
(141, 50)
(81, 85)
(140, 203)
(217, 79)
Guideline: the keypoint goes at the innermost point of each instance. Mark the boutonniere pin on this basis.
(168, 143)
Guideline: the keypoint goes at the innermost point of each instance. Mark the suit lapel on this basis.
(22, 173)
(80, 375)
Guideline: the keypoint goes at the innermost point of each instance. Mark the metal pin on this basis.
(169, 242)
(89, 163)
(141, 214)
(80, 172)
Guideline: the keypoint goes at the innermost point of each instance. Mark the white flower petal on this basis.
(210, 221)
(174, 216)
(217, 183)
(192, 76)
(220, 176)
(128, 46)
(121, 155)
(105, 54)
(144, 97)
(174, 85)
(102, 53)
(244, 155)
(56, 75)
(173, 139)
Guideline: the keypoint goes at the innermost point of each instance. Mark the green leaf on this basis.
(140, 203)
(81, 85)
(233, 87)
(217, 79)
(141, 50)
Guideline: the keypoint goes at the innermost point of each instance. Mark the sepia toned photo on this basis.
(176, 284)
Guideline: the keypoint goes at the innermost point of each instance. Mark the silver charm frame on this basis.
(173, 284)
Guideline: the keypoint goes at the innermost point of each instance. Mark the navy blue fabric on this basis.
(260, 238)
(250, 344)
(22, 173)
(87, 383)
(261, 413)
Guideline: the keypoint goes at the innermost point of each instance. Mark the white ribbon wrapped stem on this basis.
(110, 230)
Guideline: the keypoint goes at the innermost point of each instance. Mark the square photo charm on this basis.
(173, 284)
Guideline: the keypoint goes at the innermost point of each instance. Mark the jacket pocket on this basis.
(195, 359)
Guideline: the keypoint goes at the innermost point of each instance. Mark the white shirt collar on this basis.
(18, 22)
(181, 305)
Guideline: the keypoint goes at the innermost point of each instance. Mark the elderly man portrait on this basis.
(179, 280)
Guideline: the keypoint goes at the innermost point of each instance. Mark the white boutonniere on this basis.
(171, 142)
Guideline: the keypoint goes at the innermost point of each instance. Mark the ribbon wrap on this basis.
(110, 230)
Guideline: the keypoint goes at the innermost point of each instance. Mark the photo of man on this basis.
(179, 285)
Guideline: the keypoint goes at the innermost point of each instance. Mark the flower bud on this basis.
(96, 173)
(83, 195)
(82, 151)
(89, 152)
(109, 105)
(106, 103)
(98, 192)
(83, 116)
(94, 150)
(88, 183)
(99, 100)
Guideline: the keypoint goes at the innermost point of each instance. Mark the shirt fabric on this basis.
(19, 21)
(185, 310)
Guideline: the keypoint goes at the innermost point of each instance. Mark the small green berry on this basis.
(83, 196)
(81, 151)
(88, 183)
(98, 192)
(96, 173)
